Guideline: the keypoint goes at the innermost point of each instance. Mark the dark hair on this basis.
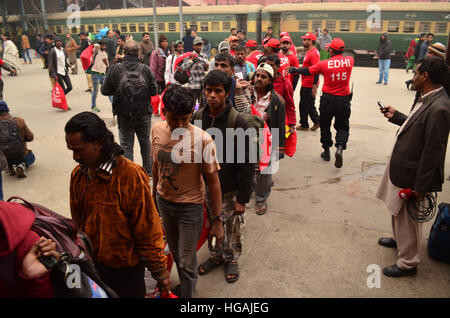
(188, 32)
(218, 77)
(241, 31)
(224, 56)
(422, 34)
(262, 59)
(93, 128)
(145, 33)
(430, 34)
(123, 38)
(337, 52)
(100, 42)
(274, 58)
(240, 47)
(231, 30)
(162, 38)
(178, 99)
(116, 31)
(437, 69)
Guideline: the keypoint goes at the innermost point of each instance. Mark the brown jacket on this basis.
(25, 133)
(418, 157)
(71, 46)
(116, 210)
(25, 42)
(144, 48)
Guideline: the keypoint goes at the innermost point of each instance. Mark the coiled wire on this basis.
(422, 210)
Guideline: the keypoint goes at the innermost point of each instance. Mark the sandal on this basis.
(232, 269)
(261, 208)
(208, 266)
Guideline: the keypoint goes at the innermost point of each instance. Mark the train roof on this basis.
(133, 12)
(358, 6)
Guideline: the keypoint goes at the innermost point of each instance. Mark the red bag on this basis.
(86, 57)
(58, 97)
(290, 144)
(205, 229)
(155, 103)
(266, 144)
(158, 294)
(162, 105)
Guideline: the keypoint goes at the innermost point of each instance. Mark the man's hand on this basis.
(292, 129)
(239, 208)
(242, 84)
(31, 266)
(314, 91)
(217, 231)
(388, 112)
(13, 71)
(292, 69)
(163, 285)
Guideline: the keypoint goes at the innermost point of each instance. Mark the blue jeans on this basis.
(183, 223)
(141, 127)
(384, 70)
(28, 160)
(27, 52)
(96, 80)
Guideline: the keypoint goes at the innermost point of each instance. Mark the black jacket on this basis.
(85, 44)
(384, 49)
(277, 119)
(418, 157)
(53, 63)
(113, 75)
(234, 176)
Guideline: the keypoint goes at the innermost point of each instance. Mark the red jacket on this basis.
(16, 235)
(284, 87)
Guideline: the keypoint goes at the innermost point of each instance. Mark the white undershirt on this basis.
(60, 61)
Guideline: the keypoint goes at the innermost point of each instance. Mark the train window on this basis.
(194, 26)
(441, 28)
(82, 28)
(141, 27)
(114, 26)
(74, 30)
(123, 28)
(133, 27)
(161, 26)
(409, 26)
(316, 25)
(204, 26)
(424, 27)
(185, 26)
(150, 27)
(91, 28)
(331, 26)
(345, 26)
(360, 26)
(172, 27)
(215, 26)
(226, 26)
(393, 26)
(58, 29)
(98, 27)
(303, 26)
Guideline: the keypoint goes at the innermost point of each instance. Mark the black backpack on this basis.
(132, 94)
(11, 143)
(182, 76)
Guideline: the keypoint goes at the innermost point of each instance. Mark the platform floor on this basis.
(320, 233)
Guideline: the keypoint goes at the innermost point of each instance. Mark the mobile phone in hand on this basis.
(381, 105)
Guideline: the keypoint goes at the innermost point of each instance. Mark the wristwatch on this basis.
(219, 217)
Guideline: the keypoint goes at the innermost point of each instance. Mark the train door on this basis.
(242, 22)
(275, 23)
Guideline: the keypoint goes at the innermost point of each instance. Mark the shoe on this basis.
(387, 242)
(95, 109)
(302, 128)
(339, 159)
(20, 169)
(326, 154)
(11, 171)
(385, 83)
(315, 127)
(395, 271)
(88, 90)
(378, 83)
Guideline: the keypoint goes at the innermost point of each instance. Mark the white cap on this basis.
(266, 67)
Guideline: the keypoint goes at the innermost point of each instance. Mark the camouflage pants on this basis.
(233, 226)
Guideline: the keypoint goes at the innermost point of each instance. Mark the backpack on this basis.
(75, 248)
(11, 142)
(180, 75)
(439, 239)
(253, 121)
(132, 93)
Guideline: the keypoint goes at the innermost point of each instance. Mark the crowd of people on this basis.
(190, 162)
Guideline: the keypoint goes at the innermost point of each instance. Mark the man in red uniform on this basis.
(293, 49)
(273, 47)
(283, 86)
(286, 52)
(233, 40)
(253, 54)
(308, 90)
(335, 101)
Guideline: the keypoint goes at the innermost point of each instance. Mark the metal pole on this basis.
(155, 27)
(44, 16)
(124, 4)
(180, 7)
(5, 24)
(24, 17)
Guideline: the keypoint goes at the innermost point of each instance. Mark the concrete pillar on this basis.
(23, 17)
(44, 16)
(3, 8)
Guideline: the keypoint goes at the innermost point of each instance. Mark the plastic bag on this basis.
(58, 97)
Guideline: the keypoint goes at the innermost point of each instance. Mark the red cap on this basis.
(272, 43)
(309, 36)
(336, 44)
(233, 38)
(284, 33)
(251, 43)
(286, 39)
